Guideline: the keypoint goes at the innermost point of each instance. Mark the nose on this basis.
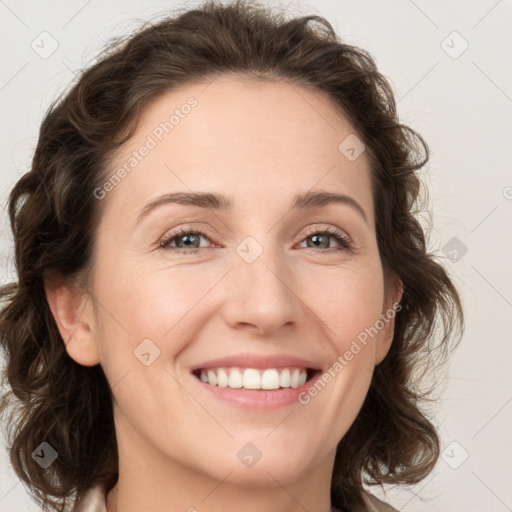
(262, 295)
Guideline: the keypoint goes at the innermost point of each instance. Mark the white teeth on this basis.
(212, 378)
(294, 382)
(222, 378)
(251, 378)
(270, 379)
(284, 379)
(235, 379)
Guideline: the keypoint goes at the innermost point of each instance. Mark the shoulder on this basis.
(94, 500)
(373, 504)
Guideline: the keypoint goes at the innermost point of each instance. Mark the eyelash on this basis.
(344, 242)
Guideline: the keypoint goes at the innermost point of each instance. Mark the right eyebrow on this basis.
(210, 200)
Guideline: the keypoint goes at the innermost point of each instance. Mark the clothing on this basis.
(95, 501)
(373, 504)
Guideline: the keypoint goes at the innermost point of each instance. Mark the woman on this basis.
(223, 293)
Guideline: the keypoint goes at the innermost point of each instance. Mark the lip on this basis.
(257, 399)
(258, 362)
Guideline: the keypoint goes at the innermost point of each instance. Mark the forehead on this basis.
(253, 139)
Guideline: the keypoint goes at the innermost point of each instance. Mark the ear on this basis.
(71, 309)
(392, 297)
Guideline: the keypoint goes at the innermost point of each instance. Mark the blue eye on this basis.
(189, 240)
(343, 241)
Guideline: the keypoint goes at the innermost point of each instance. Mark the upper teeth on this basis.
(251, 378)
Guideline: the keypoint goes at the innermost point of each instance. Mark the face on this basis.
(259, 279)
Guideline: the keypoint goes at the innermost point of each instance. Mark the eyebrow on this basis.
(219, 202)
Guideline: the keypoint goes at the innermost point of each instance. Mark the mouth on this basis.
(256, 379)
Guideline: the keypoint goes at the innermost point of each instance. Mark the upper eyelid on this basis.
(327, 228)
(317, 228)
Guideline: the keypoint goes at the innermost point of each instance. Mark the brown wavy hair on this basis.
(54, 216)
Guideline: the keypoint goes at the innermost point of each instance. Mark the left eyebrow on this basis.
(317, 199)
(215, 201)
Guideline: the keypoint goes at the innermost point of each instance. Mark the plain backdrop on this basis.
(450, 63)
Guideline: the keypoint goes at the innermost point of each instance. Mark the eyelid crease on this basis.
(344, 240)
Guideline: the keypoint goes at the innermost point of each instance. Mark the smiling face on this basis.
(262, 274)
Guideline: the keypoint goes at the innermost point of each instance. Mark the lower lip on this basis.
(258, 398)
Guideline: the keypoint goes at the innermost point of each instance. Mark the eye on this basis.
(185, 239)
(320, 239)
(189, 240)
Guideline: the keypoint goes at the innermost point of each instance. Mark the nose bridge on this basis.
(264, 295)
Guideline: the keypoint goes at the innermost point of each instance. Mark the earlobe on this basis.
(72, 313)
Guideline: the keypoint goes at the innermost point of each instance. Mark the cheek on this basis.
(347, 301)
(148, 318)
(160, 303)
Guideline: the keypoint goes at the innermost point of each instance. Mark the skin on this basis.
(260, 143)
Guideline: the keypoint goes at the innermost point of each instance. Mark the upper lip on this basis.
(257, 361)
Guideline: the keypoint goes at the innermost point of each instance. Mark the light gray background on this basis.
(460, 102)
